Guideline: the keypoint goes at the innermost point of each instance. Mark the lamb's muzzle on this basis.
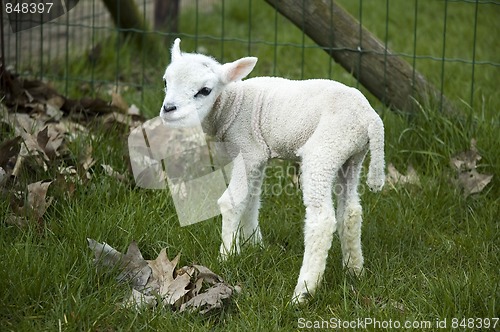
(330, 127)
(167, 109)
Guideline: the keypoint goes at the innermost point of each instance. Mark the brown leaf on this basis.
(56, 101)
(37, 200)
(53, 113)
(105, 255)
(50, 141)
(3, 176)
(16, 220)
(86, 159)
(211, 299)
(157, 281)
(473, 182)
(111, 172)
(466, 160)
(9, 149)
(469, 179)
(134, 268)
(138, 300)
(394, 178)
(162, 274)
(176, 290)
(118, 101)
(133, 110)
(35, 206)
(207, 275)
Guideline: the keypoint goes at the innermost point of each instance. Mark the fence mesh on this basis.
(453, 43)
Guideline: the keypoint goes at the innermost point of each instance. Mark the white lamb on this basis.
(326, 125)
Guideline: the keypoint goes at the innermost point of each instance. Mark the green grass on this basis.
(430, 252)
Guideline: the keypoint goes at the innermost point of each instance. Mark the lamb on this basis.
(327, 126)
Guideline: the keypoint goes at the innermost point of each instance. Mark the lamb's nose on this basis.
(167, 109)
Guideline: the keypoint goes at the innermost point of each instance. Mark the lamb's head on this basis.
(193, 82)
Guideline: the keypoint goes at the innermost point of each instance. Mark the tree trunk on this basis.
(167, 15)
(388, 77)
(126, 16)
(166, 19)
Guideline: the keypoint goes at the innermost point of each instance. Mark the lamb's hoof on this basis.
(376, 184)
(356, 271)
(224, 254)
(301, 298)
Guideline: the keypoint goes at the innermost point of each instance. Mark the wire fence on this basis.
(452, 42)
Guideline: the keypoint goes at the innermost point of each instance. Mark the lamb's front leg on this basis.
(238, 202)
(250, 229)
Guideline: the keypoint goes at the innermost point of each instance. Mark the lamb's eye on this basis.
(165, 83)
(203, 92)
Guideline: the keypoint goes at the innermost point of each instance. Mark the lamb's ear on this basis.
(237, 70)
(176, 50)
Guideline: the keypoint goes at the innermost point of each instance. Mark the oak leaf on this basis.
(157, 281)
(465, 163)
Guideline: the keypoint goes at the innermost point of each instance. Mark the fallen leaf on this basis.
(134, 268)
(105, 255)
(9, 149)
(3, 176)
(50, 142)
(138, 300)
(162, 270)
(54, 113)
(158, 282)
(211, 299)
(37, 198)
(394, 178)
(465, 163)
(466, 160)
(35, 205)
(133, 110)
(473, 182)
(111, 172)
(85, 159)
(118, 101)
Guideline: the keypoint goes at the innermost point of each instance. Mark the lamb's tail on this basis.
(376, 173)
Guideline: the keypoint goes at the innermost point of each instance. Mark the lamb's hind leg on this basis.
(317, 179)
(349, 214)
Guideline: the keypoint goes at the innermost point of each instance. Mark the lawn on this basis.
(431, 252)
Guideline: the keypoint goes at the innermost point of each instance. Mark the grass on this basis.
(430, 252)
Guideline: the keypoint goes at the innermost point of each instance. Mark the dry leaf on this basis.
(3, 176)
(111, 172)
(43, 121)
(394, 178)
(8, 149)
(139, 300)
(104, 254)
(469, 179)
(85, 159)
(34, 207)
(134, 267)
(50, 141)
(37, 200)
(118, 101)
(133, 110)
(158, 280)
(473, 182)
(211, 299)
(54, 113)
